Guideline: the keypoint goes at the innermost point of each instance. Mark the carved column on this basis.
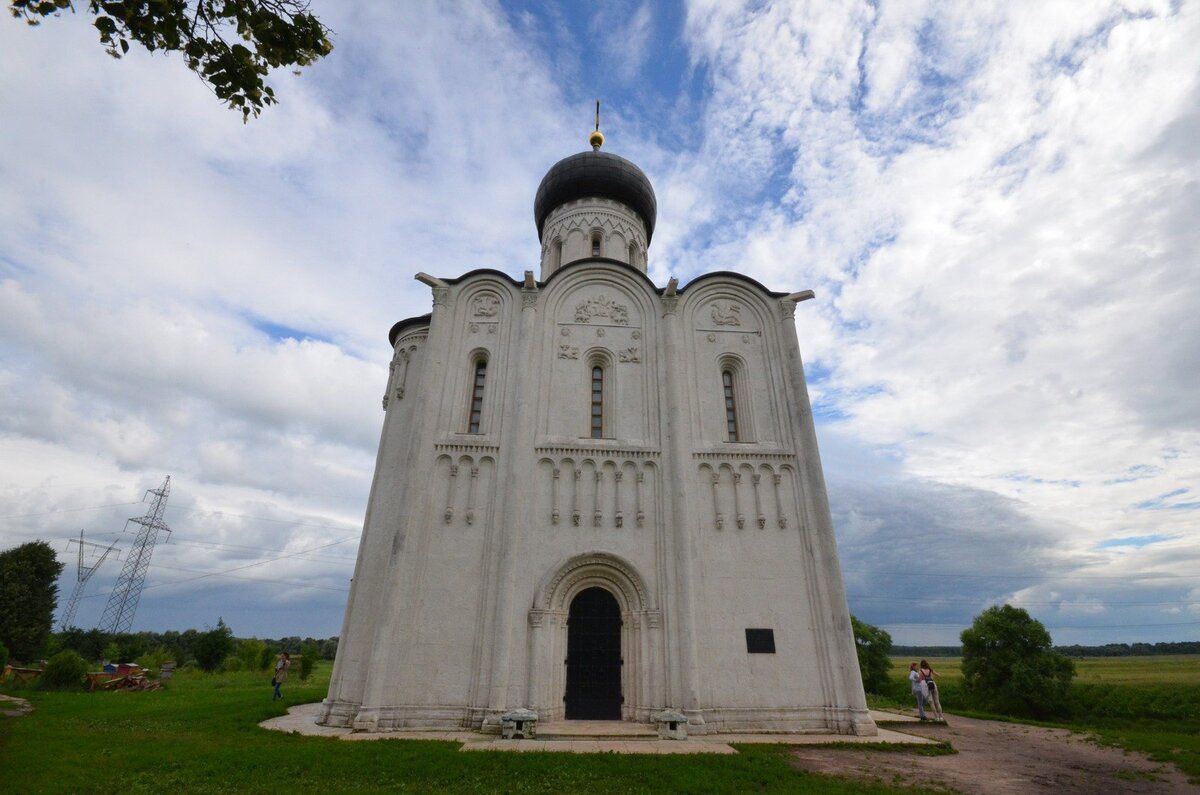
(449, 514)
(554, 497)
(762, 520)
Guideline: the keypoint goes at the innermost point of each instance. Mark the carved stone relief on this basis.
(568, 352)
(485, 305)
(602, 307)
(727, 313)
(629, 355)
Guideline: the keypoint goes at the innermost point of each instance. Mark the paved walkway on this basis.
(13, 707)
(589, 737)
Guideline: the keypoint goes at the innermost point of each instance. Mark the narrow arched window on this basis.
(596, 244)
(731, 419)
(597, 402)
(558, 249)
(633, 254)
(475, 417)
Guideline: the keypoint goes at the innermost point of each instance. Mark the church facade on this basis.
(598, 498)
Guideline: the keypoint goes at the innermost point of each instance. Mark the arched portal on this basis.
(595, 592)
(594, 656)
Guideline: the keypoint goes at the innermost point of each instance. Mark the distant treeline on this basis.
(93, 644)
(1107, 650)
(1130, 649)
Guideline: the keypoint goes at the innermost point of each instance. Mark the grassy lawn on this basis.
(1147, 704)
(200, 735)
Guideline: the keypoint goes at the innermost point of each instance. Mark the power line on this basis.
(226, 572)
(208, 544)
(67, 510)
(251, 579)
(262, 518)
(248, 565)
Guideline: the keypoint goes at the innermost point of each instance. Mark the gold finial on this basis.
(596, 139)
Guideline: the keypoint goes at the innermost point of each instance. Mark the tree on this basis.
(212, 647)
(65, 669)
(1009, 665)
(250, 651)
(278, 32)
(310, 652)
(28, 596)
(873, 645)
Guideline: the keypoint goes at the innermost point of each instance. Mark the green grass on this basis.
(201, 735)
(1147, 704)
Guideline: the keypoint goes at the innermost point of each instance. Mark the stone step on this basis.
(595, 730)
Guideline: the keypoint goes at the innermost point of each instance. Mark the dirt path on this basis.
(13, 707)
(996, 758)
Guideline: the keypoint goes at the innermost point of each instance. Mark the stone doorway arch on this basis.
(643, 672)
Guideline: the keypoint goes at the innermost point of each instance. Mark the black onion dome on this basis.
(597, 174)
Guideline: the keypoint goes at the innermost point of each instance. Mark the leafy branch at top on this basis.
(266, 34)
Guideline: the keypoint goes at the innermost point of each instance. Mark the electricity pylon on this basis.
(123, 601)
(82, 575)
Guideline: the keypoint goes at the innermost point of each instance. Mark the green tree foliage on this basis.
(873, 645)
(266, 658)
(272, 33)
(28, 595)
(310, 652)
(111, 652)
(250, 651)
(63, 670)
(3, 656)
(152, 661)
(212, 647)
(329, 648)
(89, 643)
(1009, 665)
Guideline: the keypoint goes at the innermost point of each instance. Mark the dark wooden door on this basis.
(594, 657)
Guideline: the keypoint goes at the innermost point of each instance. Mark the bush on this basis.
(873, 645)
(232, 664)
(152, 661)
(250, 651)
(310, 653)
(3, 656)
(212, 647)
(266, 658)
(64, 670)
(111, 653)
(1010, 667)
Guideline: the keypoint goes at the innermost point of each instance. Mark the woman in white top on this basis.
(919, 688)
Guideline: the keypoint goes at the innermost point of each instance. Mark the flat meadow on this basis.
(200, 734)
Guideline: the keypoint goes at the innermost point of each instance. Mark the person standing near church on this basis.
(927, 675)
(919, 688)
(282, 663)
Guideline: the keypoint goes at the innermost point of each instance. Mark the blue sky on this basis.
(995, 206)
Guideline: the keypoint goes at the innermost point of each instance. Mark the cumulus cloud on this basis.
(996, 208)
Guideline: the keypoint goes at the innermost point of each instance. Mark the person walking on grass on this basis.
(282, 663)
(927, 675)
(919, 688)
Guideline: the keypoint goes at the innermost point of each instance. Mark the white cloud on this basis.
(995, 206)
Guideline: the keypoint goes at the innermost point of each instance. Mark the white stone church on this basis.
(598, 498)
